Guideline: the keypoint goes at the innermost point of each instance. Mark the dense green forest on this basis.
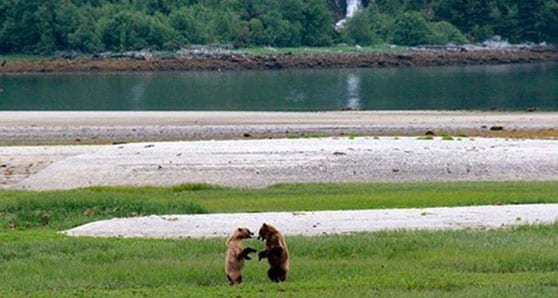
(47, 26)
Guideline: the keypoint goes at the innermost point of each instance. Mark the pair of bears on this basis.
(275, 251)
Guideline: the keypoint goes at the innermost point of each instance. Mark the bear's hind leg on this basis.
(272, 274)
(282, 275)
(234, 281)
(276, 274)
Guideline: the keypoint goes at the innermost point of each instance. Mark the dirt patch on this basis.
(229, 61)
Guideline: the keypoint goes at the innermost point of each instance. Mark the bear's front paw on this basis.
(245, 253)
(251, 250)
(262, 255)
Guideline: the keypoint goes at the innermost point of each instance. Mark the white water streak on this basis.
(352, 7)
(353, 90)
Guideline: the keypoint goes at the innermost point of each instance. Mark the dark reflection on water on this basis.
(509, 87)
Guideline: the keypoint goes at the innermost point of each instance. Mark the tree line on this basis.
(89, 26)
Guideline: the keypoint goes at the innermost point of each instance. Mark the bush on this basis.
(410, 29)
(134, 31)
(362, 28)
(317, 24)
(444, 32)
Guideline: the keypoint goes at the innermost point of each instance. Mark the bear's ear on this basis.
(239, 229)
(264, 224)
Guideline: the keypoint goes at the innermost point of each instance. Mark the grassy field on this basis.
(36, 261)
(65, 209)
(507, 263)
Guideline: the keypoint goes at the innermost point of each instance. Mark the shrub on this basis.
(444, 32)
(410, 29)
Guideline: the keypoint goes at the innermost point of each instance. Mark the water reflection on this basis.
(512, 87)
(137, 95)
(295, 96)
(353, 92)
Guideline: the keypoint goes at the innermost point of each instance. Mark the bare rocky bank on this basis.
(235, 61)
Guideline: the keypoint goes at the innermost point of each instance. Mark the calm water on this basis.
(509, 87)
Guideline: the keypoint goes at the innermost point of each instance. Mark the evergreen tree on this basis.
(410, 28)
(47, 26)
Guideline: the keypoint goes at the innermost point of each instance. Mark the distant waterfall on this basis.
(352, 7)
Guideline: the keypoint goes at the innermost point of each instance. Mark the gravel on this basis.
(322, 222)
(260, 163)
(41, 128)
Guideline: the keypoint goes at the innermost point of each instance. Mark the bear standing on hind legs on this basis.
(236, 254)
(275, 251)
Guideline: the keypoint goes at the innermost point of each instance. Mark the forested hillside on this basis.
(46, 26)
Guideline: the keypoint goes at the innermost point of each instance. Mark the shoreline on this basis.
(237, 61)
(79, 128)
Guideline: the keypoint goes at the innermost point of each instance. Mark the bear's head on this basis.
(266, 231)
(241, 233)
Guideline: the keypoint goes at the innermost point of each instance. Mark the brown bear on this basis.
(236, 254)
(275, 251)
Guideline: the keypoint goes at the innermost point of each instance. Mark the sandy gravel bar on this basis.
(259, 163)
(38, 128)
(322, 222)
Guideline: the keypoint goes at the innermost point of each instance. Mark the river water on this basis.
(501, 87)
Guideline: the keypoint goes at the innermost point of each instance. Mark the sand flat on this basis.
(50, 128)
(73, 118)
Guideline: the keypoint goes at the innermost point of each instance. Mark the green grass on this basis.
(306, 136)
(36, 261)
(65, 209)
(520, 262)
(11, 58)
